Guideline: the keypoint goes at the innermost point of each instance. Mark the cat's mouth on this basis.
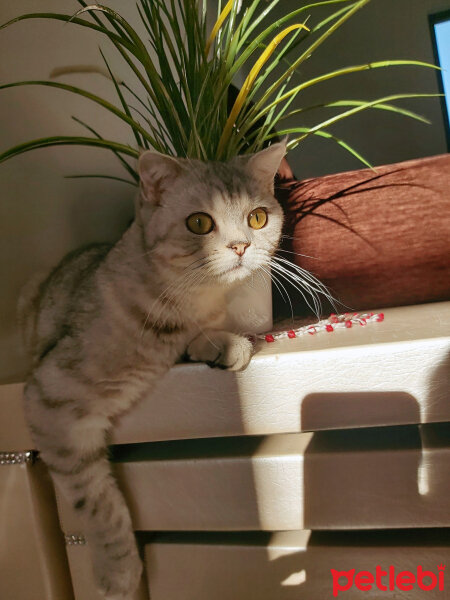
(235, 267)
(232, 269)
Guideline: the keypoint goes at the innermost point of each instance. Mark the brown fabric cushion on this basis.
(378, 238)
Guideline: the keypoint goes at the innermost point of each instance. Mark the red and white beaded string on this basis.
(345, 321)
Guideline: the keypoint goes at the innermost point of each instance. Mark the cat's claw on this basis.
(222, 350)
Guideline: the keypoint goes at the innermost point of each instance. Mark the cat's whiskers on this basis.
(183, 297)
(297, 253)
(290, 237)
(311, 281)
(166, 297)
(177, 291)
(299, 285)
(265, 258)
(278, 283)
(302, 276)
(303, 281)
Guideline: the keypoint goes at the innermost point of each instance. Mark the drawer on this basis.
(392, 477)
(292, 565)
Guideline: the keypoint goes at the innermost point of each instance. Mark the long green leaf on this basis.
(157, 128)
(70, 19)
(377, 105)
(349, 103)
(355, 110)
(139, 46)
(183, 92)
(64, 140)
(331, 75)
(246, 119)
(307, 53)
(121, 159)
(119, 30)
(143, 56)
(328, 136)
(141, 142)
(259, 39)
(113, 177)
(80, 92)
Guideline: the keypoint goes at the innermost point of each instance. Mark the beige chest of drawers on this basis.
(282, 471)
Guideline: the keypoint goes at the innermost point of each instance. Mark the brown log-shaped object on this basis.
(377, 238)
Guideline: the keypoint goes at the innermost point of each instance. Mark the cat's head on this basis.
(218, 220)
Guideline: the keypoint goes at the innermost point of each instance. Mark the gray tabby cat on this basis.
(109, 321)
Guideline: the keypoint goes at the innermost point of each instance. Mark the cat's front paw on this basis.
(221, 349)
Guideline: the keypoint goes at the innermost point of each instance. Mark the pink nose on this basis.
(240, 247)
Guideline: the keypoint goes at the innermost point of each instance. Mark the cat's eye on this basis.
(257, 218)
(200, 223)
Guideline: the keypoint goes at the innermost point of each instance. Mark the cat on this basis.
(110, 320)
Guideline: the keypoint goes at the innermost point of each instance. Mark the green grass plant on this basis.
(176, 98)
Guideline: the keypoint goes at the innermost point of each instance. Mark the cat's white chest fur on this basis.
(249, 305)
(244, 307)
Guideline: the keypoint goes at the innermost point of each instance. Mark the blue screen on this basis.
(442, 33)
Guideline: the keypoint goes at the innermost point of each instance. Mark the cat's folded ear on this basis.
(264, 165)
(157, 172)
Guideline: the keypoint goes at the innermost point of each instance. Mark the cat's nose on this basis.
(239, 247)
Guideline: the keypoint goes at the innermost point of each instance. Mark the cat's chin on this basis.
(235, 274)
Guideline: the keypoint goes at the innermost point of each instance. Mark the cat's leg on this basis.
(221, 349)
(71, 439)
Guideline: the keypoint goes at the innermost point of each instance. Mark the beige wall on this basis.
(43, 215)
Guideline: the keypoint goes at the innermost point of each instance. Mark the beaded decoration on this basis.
(75, 539)
(345, 321)
(18, 458)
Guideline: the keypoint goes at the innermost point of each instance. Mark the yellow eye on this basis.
(257, 218)
(200, 223)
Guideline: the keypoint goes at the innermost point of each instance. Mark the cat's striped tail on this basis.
(72, 442)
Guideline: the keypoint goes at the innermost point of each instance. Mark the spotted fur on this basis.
(109, 321)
